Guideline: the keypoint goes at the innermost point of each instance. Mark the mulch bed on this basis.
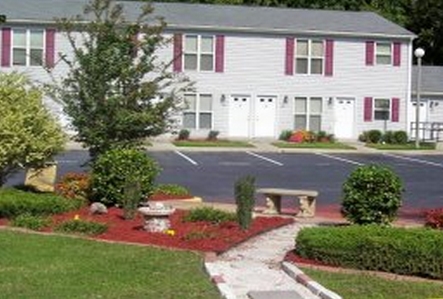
(199, 236)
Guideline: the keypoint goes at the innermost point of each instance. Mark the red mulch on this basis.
(292, 257)
(199, 236)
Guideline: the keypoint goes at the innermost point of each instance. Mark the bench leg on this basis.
(273, 204)
(307, 206)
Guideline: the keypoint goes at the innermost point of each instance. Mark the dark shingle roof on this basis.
(431, 80)
(224, 17)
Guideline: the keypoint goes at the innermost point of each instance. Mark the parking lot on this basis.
(212, 175)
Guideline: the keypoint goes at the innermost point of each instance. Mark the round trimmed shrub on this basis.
(112, 169)
(374, 136)
(371, 195)
(388, 137)
(400, 137)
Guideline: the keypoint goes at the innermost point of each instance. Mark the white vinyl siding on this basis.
(27, 47)
(309, 57)
(198, 111)
(199, 53)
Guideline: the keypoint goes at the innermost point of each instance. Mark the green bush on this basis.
(111, 170)
(285, 135)
(171, 189)
(212, 135)
(400, 137)
(363, 137)
(183, 134)
(209, 214)
(388, 137)
(374, 136)
(397, 250)
(245, 200)
(371, 194)
(16, 202)
(132, 197)
(81, 227)
(31, 221)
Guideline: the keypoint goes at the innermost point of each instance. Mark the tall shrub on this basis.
(245, 200)
(131, 198)
(371, 194)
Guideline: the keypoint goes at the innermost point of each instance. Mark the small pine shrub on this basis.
(111, 170)
(212, 135)
(29, 221)
(285, 135)
(374, 136)
(209, 214)
(400, 137)
(81, 227)
(371, 194)
(131, 199)
(183, 134)
(171, 189)
(73, 185)
(245, 200)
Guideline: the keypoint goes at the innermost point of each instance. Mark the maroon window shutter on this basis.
(50, 48)
(329, 58)
(369, 53)
(368, 109)
(6, 47)
(177, 49)
(219, 53)
(395, 109)
(397, 54)
(289, 61)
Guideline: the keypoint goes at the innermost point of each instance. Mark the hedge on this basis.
(415, 251)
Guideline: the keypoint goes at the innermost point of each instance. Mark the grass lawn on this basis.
(364, 286)
(320, 145)
(216, 143)
(35, 266)
(408, 146)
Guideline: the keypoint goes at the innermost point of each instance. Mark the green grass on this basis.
(320, 145)
(365, 286)
(54, 267)
(217, 143)
(408, 146)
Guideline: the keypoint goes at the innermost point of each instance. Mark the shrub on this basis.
(30, 136)
(131, 199)
(397, 250)
(212, 135)
(74, 185)
(301, 136)
(111, 170)
(374, 136)
(209, 214)
(363, 137)
(245, 200)
(400, 137)
(388, 137)
(434, 218)
(371, 194)
(81, 227)
(183, 134)
(285, 135)
(171, 189)
(16, 202)
(31, 221)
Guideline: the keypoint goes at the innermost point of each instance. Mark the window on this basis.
(309, 57)
(307, 114)
(198, 111)
(383, 53)
(199, 53)
(382, 109)
(27, 47)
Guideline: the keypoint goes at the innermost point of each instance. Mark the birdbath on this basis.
(156, 217)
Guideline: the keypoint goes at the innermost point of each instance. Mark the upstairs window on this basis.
(309, 57)
(27, 47)
(383, 53)
(382, 109)
(198, 111)
(199, 53)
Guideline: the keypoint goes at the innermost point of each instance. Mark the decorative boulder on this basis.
(98, 208)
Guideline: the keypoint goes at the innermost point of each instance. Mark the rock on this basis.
(98, 208)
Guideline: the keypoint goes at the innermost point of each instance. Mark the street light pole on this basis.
(419, 53)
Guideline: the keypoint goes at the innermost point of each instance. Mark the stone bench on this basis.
(306, 199)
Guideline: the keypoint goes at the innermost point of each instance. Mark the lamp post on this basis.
(419, 53)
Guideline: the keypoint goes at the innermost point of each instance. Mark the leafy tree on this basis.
(29, 135)
(115, 78)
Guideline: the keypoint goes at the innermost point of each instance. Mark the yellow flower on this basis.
(77, 217)
(170, 232)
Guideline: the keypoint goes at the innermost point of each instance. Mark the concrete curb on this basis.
(223, 288)
(313, 286)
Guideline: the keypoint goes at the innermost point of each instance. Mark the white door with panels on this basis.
(344, 109)
(423, 117)
(239, 115)
(264, 118)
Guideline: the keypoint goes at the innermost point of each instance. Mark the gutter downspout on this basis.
(409, 89)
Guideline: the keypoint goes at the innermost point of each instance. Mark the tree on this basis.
(29, 135)
(115, 80)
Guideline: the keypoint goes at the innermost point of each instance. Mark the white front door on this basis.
(344, 118)
(264, 119)
(239, 115)
(423, 117)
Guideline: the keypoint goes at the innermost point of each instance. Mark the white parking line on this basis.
(186, 158)
(264, 158)
(415, 160)
(339, 159)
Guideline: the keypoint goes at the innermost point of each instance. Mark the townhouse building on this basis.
(257, 70)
